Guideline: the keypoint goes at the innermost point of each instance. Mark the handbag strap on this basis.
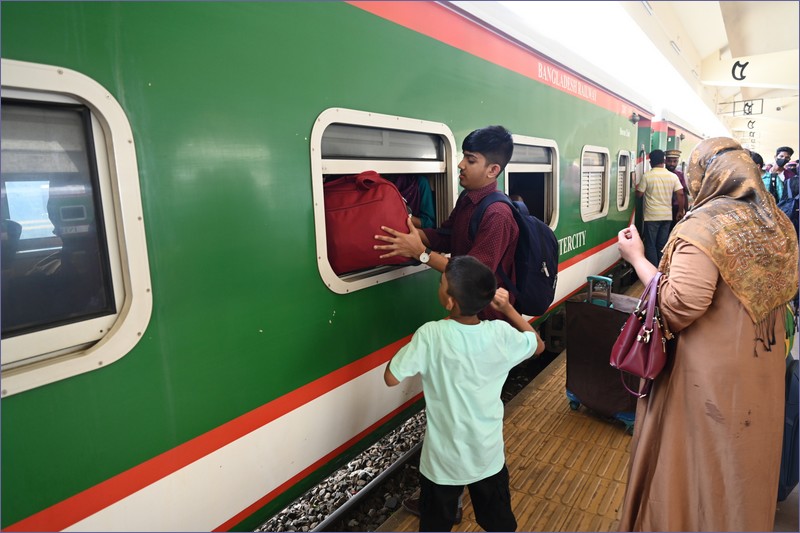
(650, 295)
(644, 391)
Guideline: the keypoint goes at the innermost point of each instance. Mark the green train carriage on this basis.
(210, 366)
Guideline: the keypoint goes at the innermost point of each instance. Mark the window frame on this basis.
(586, 217)
(625, 181)
(320, 167)
(554, 184)
(40, 357)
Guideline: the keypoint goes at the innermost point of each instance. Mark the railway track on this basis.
(366, 491)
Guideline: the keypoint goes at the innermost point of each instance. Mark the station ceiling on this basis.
(741, 58)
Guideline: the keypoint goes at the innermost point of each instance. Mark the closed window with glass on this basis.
(55, 266)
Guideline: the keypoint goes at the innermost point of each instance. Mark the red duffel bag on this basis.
(355, 209)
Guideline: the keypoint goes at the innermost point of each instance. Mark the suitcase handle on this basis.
(590, 295)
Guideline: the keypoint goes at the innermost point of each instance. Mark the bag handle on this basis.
(645, 390)
(367, 179)
(649, 297)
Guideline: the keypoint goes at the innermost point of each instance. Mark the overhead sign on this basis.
(776, 70)
(741, 108)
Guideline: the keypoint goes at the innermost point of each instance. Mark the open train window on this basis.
(624, 179)
(532, 175)
(594, 182)
(417, 155)
(74, 260)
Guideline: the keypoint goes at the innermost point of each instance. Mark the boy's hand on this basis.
(500, 301)
(402, 244)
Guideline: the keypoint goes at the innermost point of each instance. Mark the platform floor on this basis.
(568, 469)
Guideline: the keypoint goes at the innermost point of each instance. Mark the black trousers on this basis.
(491, 500)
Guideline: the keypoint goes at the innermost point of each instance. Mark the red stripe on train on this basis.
(443, 24)
(98, 497)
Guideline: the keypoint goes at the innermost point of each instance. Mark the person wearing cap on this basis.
(671, 158)
(656, 187)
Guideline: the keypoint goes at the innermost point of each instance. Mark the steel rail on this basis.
(367, 489)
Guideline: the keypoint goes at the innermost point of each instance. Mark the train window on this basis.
(532, 174)
(67, 175)
(56, 269)
(594, 182)
(403, 150)
(624, 176)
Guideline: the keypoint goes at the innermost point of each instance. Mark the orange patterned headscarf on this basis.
(735, 221)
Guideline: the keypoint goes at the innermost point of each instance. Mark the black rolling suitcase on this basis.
(593, 322)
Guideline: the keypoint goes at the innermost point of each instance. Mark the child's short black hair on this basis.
(784, 149)
(493, 142)
(471, 284)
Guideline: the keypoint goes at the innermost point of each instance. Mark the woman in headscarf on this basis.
(706, 450)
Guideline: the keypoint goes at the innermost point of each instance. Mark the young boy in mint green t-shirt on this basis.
(464, 362)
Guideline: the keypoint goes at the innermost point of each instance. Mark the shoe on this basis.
(412, 506)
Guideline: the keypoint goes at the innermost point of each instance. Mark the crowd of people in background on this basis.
(664, 178)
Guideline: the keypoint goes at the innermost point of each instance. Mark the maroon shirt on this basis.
(495, 241)
(675, 204)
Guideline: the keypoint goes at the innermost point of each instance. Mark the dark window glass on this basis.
(55, 267)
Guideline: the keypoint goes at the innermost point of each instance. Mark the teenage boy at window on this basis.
(487, 151)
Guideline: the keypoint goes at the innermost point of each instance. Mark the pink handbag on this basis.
(641, 348)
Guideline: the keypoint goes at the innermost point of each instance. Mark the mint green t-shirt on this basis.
(463, 369)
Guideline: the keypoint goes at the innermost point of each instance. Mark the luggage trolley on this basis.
(593, 322)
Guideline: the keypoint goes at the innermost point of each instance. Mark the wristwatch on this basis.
(425, 256)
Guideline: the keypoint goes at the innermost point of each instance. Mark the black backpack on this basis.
(535, 260)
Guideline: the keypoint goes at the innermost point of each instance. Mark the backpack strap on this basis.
(773, 186)
(477, 216)
(475, 221)
(790, 187)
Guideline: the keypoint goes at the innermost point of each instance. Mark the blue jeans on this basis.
(656, 234)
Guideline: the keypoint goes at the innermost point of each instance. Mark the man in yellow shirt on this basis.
(657, 186)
